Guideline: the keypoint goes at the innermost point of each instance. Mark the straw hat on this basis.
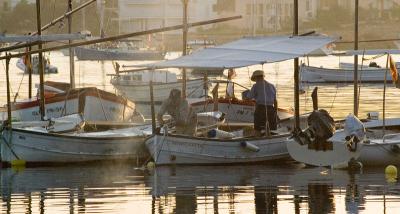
(256, 73)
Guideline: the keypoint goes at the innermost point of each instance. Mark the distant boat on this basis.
(49, 69)
(135, 85)
(344, 73)
(117, 51)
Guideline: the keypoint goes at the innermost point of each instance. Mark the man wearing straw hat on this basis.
(264, 93)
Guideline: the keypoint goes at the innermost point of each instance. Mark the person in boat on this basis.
(180, 111)
(230, 87)
(264, 93)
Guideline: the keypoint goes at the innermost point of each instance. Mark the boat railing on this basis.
(395, 136)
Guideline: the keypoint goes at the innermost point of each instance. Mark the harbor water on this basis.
(273, 188)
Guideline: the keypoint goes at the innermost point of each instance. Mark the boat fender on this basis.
(216, 133)
(249, 146)
(395, 148)
(351, 142)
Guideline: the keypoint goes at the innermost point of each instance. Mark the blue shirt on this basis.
(263, 92)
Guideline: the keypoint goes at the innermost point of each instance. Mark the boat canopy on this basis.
(372, 52)
(247, 51)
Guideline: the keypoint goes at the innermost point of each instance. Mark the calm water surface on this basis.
(221, 189)
(196, 189)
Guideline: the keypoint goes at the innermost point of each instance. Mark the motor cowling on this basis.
(322, 125)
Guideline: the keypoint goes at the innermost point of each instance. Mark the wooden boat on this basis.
(235, 110)
(49, 69)
(135, 85)
(170, 148)
(37, 144)
(344, 74)
(93, 103)
(177, 149)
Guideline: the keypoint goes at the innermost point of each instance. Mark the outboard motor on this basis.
(321, 127)
(355, 132)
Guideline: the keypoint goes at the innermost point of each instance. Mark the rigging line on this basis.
(334, 97)
(360, 80)
(19, 87)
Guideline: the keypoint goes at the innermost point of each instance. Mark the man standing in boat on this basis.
(264, 93)
(180, 111)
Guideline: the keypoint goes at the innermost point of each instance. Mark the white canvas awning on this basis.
(372, 52)
(248, 51)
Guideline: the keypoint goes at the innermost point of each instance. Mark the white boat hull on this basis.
(325, 75)
(140, 93)
(95, 106)
(337, 157)
(40, 147)
(167, 150)
(380, 154)
(236, 112)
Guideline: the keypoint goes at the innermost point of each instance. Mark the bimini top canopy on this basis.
(248, 51)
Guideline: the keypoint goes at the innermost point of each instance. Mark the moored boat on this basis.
(46, 143)
(228, 147)
(313, 74)
(49, 69)
(91, 53)
(321, 145)
(381, 149)
(135, 85)
(94, 104)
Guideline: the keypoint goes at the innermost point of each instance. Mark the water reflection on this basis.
(196, 189)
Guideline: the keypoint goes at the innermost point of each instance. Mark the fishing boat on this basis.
(344, 73)
(235, 109)
(49, 69)
(135, 85)
(61, 100)
(226, 147)
(64, 140)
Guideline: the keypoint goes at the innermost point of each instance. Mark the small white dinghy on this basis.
(321, 145)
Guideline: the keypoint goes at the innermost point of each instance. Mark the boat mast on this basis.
(355, 59)
(8, 91)
(40, 66)
(71, 50)
(296, 67)
(184, 44)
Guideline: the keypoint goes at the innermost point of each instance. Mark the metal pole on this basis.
(153, 112)
(71, 50)
(30, 73)
(296, 67)
(41, 72)
(8, 91)
(384, 97)
(119, 37)
(355, 76)
(185, 32)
